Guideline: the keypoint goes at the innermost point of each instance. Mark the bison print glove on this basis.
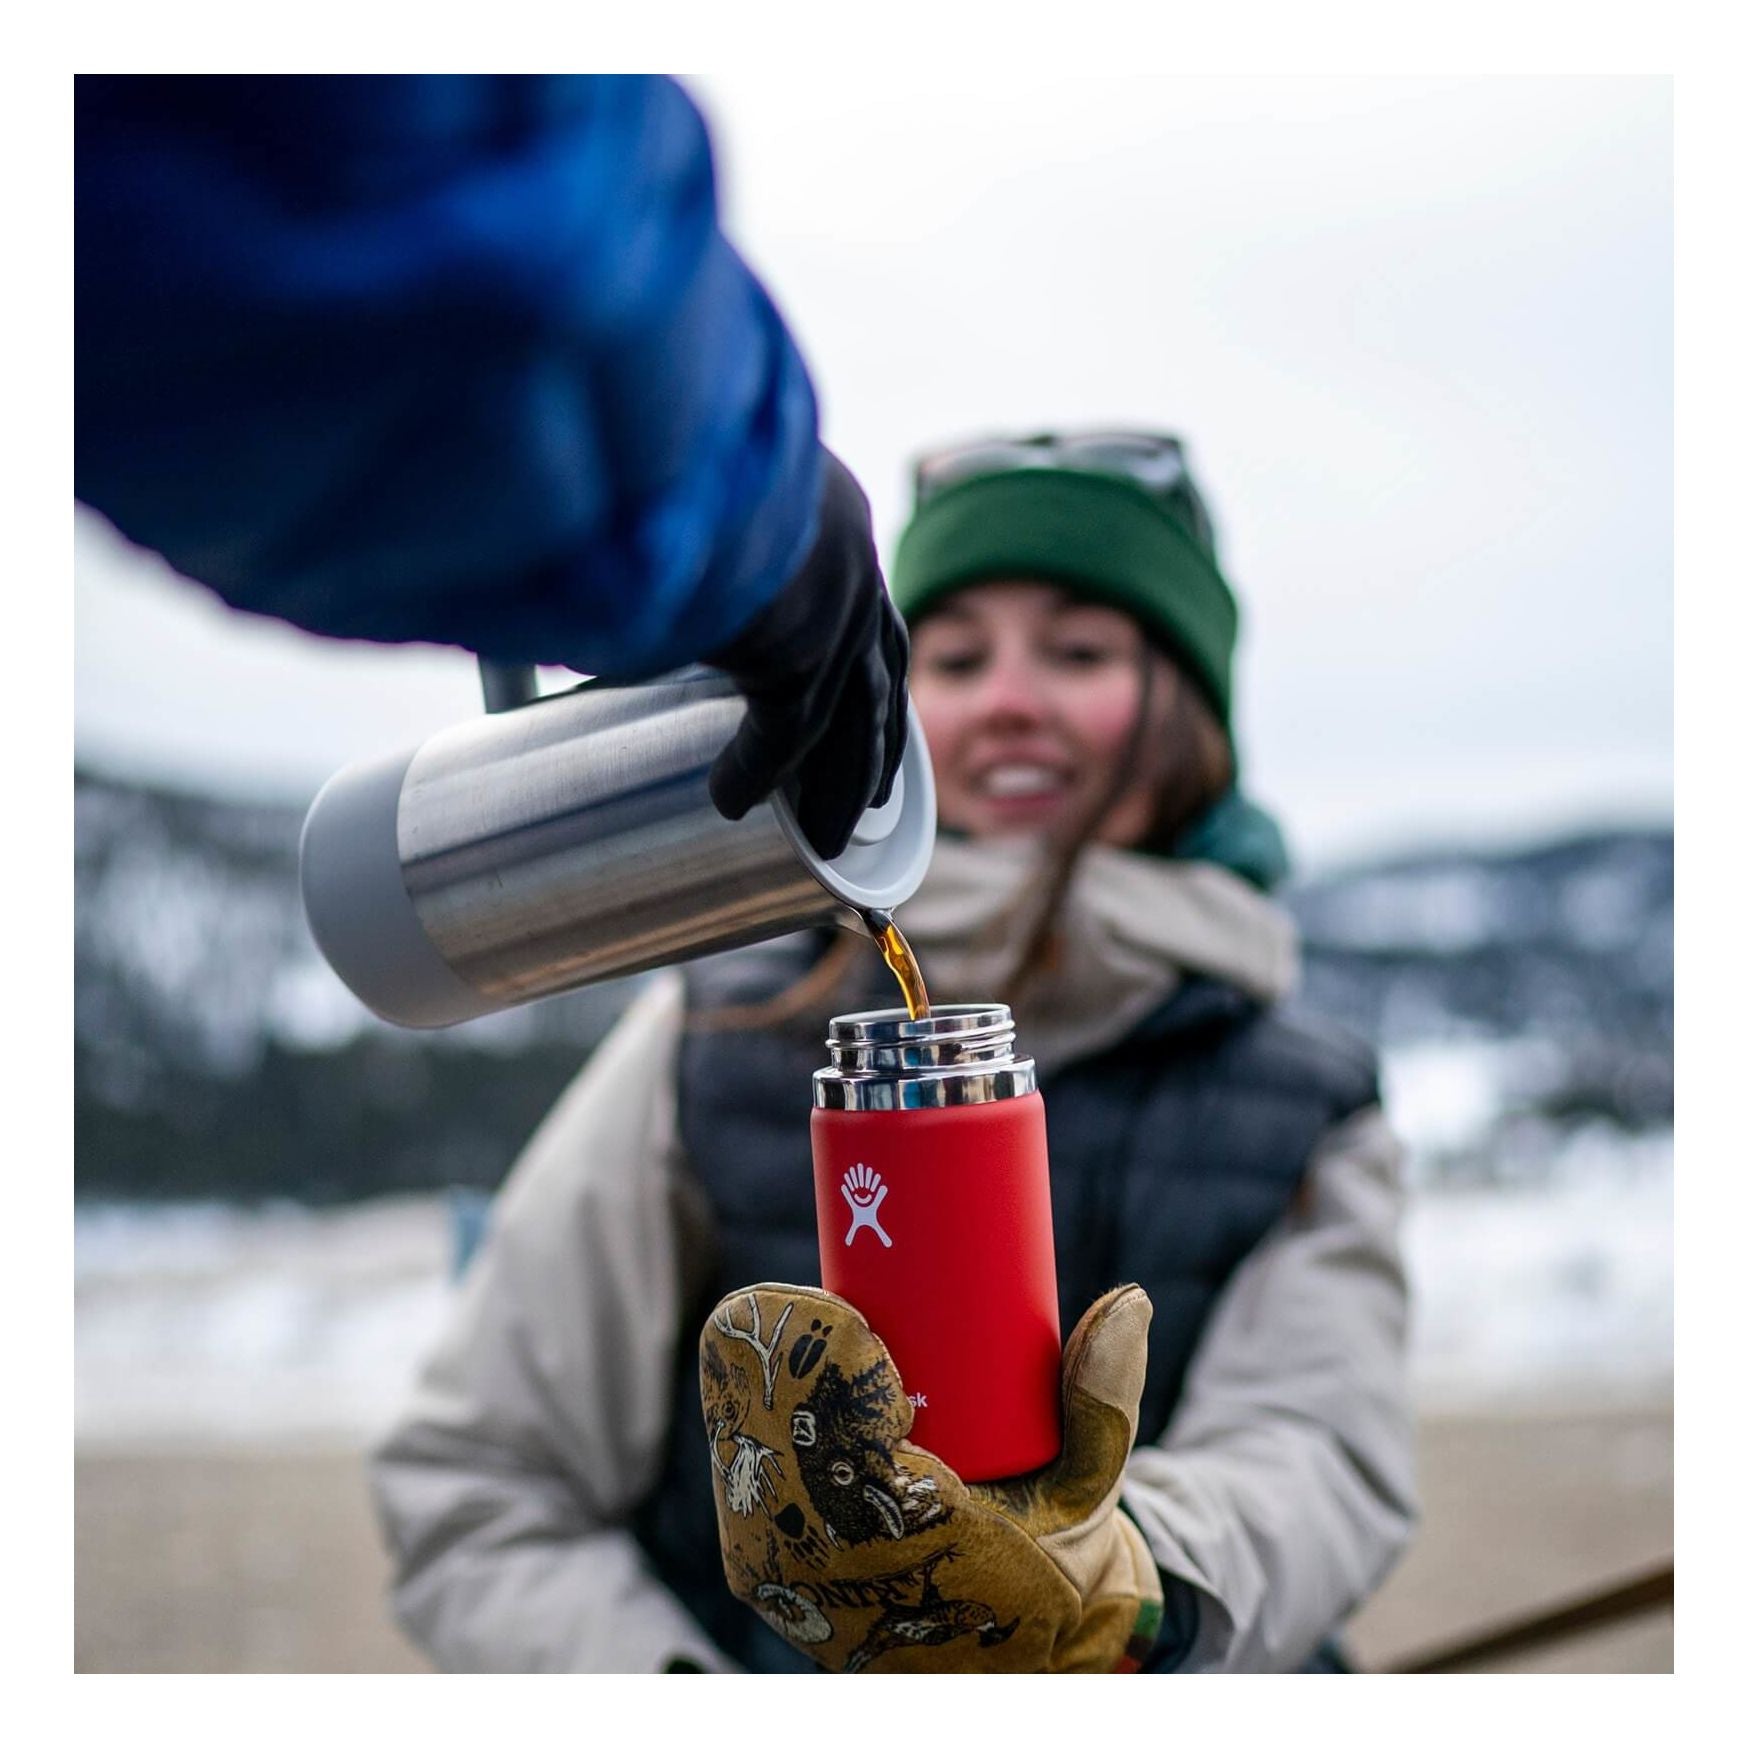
(867, 1552)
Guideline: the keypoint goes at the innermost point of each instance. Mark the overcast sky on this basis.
(1417, 334)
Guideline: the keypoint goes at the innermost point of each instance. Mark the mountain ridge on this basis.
(217, 1055)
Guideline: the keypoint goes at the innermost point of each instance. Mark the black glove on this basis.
(823, 669)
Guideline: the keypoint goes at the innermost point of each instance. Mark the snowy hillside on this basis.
(217, 1055)
(216, 1323)
(262, 1251)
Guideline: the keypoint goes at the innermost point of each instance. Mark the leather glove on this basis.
(867, 1552)
(822, 668)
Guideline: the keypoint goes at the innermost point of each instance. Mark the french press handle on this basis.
(507, 685)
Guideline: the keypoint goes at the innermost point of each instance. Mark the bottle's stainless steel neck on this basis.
(958, 1055)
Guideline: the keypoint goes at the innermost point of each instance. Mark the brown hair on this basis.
(1189, 759)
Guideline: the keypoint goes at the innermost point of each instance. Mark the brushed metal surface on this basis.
(574, 839)
(960, 1054)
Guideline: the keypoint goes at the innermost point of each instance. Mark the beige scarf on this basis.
(1133, 926)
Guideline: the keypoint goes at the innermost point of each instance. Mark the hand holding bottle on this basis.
(867, 1552)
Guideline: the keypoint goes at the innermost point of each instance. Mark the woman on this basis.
(548, 1495)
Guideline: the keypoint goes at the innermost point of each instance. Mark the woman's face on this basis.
(1028, 697)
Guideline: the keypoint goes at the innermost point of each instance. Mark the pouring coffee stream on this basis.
(900, 961)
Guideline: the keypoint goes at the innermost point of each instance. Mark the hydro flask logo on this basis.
(864, 1191)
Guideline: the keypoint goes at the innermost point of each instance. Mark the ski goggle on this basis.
(1150, 460)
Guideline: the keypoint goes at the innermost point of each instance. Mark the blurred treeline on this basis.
(216, 1056)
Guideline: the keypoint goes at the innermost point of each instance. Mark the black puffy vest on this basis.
(1171, 1154)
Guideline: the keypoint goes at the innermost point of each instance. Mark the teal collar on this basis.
(1239, 835)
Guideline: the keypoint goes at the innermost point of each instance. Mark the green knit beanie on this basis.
(1098, 534)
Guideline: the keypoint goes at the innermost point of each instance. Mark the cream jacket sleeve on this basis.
(539, 1422)
(1283, 1488)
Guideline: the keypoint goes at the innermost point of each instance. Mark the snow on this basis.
(309, 1008)
(1446, 1095)
(1599, 903)
(231, 1325)
(1550, 1274)
(1541, 1253)
(280, 1324)
(1560, 1289)
(1440, 1096)
(1443, 910)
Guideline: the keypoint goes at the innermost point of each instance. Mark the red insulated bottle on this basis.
(932, 1187)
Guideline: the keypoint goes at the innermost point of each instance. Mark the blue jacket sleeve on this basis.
(462, 360)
